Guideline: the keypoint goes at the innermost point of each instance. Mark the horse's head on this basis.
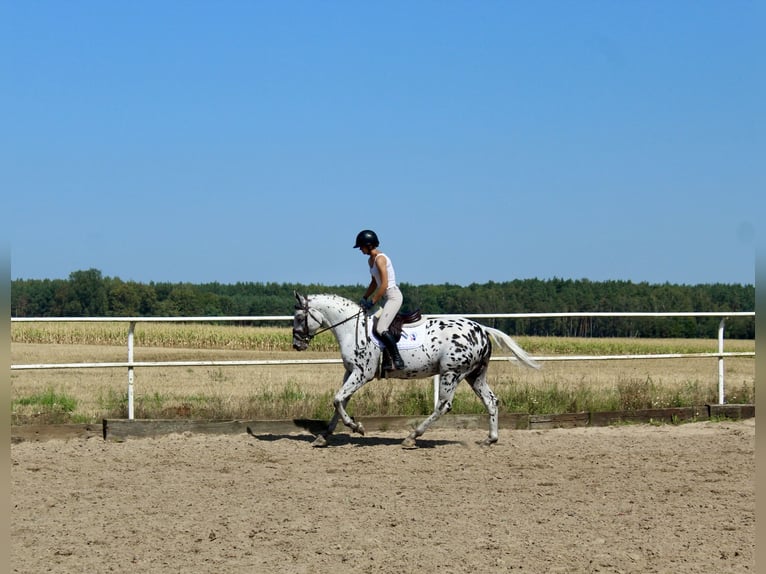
(305, 323)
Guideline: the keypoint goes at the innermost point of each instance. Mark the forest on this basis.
(87, 293)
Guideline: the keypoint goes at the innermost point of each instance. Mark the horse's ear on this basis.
(299, 298)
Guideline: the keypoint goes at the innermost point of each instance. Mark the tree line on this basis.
(87, 293)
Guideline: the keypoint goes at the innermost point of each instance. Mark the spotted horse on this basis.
(453, 348)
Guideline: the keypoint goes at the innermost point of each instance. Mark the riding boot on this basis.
(393, 350)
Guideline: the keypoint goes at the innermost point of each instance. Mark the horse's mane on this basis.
(338, 298)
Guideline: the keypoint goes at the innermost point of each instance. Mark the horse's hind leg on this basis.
(447, 384)
(479, 385)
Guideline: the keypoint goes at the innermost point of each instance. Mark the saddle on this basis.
(402, 318)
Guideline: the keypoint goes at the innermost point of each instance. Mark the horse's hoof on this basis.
(359, 428)
(487, 441)
(409, 442)
(320, 441)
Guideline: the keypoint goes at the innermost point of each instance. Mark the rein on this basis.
(310, 336)
(346, 320)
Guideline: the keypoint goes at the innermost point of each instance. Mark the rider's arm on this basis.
(380, 263)
(370, 289)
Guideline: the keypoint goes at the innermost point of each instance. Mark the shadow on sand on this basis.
(343, 439)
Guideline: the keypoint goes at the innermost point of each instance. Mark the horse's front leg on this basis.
(352, 382)
(321, 439)
(341, 400)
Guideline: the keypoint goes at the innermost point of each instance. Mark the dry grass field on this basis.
(258, 391)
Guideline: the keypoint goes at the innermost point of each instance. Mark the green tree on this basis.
(87, 295)
(124, 298)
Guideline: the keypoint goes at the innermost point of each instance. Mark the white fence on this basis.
(130, 364)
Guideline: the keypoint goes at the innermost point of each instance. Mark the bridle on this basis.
(306, 336)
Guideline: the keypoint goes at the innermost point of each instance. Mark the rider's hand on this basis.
(365, 304)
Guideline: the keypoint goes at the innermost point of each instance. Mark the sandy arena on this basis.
(625, 499)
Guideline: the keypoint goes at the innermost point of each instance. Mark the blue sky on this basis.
(484, 141)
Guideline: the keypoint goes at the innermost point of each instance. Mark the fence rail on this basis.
(130, 364)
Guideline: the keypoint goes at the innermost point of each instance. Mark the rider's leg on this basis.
(391, 306)
(393, 350)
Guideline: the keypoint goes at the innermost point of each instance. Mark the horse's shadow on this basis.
(342, 439)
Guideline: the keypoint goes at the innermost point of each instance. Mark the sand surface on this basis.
(613, 499)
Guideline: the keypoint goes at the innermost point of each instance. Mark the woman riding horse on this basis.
(382, 287)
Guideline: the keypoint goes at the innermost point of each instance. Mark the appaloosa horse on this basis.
(453, 348)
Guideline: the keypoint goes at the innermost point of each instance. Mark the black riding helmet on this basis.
(366, 237)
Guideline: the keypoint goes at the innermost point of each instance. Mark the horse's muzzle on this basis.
(299, 344)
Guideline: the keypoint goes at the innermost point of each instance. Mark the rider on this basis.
(382, 287)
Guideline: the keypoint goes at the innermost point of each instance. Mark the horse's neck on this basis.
(336, 311)
(333, 309)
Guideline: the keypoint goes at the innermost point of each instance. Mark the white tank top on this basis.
(375, 272)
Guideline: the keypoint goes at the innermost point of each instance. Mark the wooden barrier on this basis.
(122, 429)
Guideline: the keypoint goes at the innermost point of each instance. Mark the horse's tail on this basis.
(509, 344)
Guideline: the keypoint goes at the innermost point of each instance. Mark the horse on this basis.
(453, 348)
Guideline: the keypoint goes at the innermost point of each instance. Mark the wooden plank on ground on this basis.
(407, 423)
(516, 421)
(669, 415)
(732, 411)
(34, 433)
(567, 420)
(122, 429)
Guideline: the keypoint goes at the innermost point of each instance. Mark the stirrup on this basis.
(392, 365)
(387, 362)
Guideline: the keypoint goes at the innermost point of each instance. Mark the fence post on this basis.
(131, 328)
(721, 396)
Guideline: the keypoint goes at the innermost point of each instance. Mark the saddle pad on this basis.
(413, 336)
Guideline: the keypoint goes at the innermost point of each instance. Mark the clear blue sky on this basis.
(198, 141)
